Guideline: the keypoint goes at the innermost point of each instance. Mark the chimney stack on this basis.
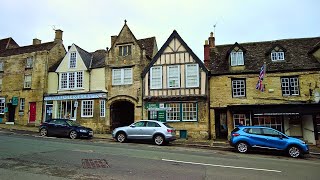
(113, 39)
(212, 40)
(58, 37)
(36, 41)
(206, 54)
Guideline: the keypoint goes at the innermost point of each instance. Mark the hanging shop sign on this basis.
(15, 101)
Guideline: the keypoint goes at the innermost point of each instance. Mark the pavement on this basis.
(215, 144)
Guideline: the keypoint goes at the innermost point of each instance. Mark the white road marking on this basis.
(223, 166)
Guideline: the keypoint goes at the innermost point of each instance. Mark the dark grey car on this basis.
(160, 132)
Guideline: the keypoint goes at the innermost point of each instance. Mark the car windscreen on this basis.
(167, 125)
(73, 123)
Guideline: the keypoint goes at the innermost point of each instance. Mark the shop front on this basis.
(297, 120)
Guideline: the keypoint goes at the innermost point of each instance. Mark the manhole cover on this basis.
(94, 163)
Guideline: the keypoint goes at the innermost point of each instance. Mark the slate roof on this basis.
(148, 44)
(28, 49)
(297, 56)
(173, 35)
(7, 43)
(86, 56)
(98, 58)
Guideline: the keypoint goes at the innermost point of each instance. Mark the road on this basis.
(30, 157)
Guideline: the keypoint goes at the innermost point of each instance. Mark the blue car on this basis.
(243, 138)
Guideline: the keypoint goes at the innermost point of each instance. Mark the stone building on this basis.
(175, 89)
(289, 101)
(76, 88)
(125, 62)
(23, 78)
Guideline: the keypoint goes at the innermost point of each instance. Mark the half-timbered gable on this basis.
(175, 88)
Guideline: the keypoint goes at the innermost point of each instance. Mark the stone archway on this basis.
(121, 113)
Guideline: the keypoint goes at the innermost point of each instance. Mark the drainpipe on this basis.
(208, 101)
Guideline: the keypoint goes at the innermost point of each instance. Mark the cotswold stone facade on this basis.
(125, 62)
(290, 84)
(24, 79)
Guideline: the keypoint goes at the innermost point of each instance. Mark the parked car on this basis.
(160, 132)
(243, 138)
(64, 127)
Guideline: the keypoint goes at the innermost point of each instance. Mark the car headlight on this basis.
(83, 130)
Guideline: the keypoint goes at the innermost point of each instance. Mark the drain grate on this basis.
(94, 163)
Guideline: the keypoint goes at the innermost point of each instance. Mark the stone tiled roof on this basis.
(98, 58)
(297, 56)
(86, 56)
(148, 44)
(28, 49)
(7, 43)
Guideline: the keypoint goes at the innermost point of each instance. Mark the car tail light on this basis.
(235, 134)
(170, 130)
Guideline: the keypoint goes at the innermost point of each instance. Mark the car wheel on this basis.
(43, 132)
(121, 137)
(159, 140)
(242, 147)
(73, 134)
(294, 151)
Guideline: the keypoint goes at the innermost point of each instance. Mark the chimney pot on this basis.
(206, 42)
(36, 41)
(212, 40)
(58, 36)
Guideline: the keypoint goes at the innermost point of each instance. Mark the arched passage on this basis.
(121, 113)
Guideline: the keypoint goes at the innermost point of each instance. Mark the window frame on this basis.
(187, 75)
(28, 64)
(125, 50)
(172, 78)
(102, 108)
(76, 82)
(73, 60)
(293, 90)
(153, 79)
(233, 90)
(25, 82)
(237, 58)
(22, 104)
(275, 56)
(122, 76)
(2, 105)
(83, 109)
(1, 66)
(177, 112)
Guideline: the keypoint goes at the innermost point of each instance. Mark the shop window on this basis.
(153, 115)
(182, 112)
(239, 120)
(174, 113)
(67, 109)
(87, 108)
(102, 108)
(274, 122)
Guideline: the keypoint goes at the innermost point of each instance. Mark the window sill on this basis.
(28, 68)
(71, 89)
(87, 116)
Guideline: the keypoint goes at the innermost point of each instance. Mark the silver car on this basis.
(160, 132)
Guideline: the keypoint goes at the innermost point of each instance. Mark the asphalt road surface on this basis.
(30, 157)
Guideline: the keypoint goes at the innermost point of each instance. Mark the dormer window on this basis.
(277, 56)
(125, 50)
(73, 60)
(29, 62)
(236, 58)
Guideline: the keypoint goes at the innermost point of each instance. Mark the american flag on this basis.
(259, 85)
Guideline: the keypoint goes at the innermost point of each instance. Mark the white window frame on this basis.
(277, 56)
(1, 66)
(124, 50)
(89, 109)
(290, 86)
(156, 77)
(29, 62)
(22, 104)
(192, 77)
(173, 75)
(27, 83)
(189, 112)
(239, 117)
(71, 80)
(174, 114)
(236, 58)
(2, 105)
(103, 108)
(73, 60)
(123, 80)
(238, 91)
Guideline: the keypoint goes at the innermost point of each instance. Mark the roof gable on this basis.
(236, 45)
(275, 47)
(7, 43)
(168, 46)
(123, 34)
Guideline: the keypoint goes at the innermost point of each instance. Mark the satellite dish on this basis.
(317, 96)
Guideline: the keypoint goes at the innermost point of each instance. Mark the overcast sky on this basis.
(90, 23)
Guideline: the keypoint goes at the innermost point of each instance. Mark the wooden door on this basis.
(32, 112)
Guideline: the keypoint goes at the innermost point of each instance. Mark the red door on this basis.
(32, 112)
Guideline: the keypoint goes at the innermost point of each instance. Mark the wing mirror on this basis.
(132, 125)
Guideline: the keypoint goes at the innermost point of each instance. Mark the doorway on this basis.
(32, 112)
(121, 113)
(11, 112)
(221, 126)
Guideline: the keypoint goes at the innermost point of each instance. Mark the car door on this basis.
(274, 139)
(255, 137)
(62, 128)
(150, 129)
(51, 127)
(135, 131)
